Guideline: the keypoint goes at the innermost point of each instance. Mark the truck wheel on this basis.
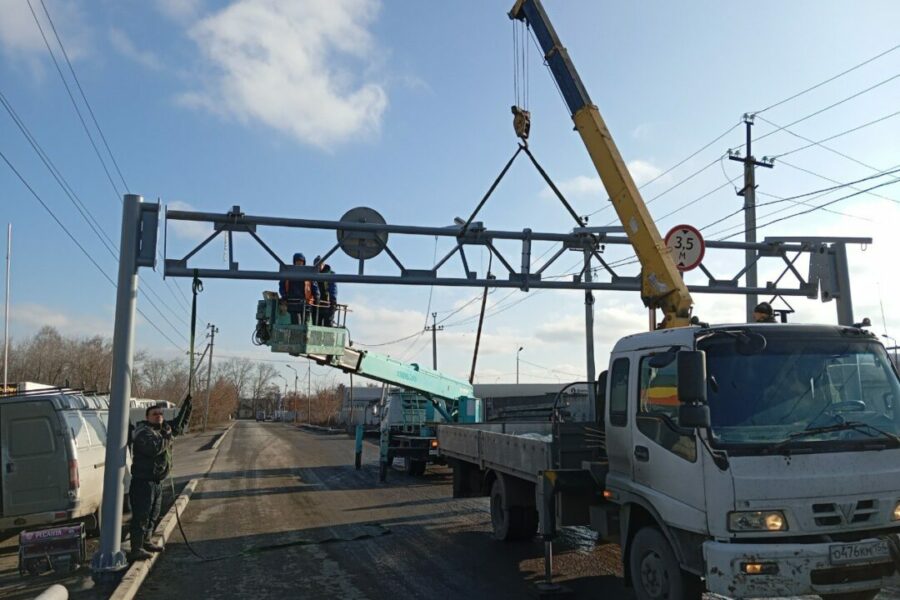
(415, 468)
(513, 522)
(867, 595)
(655, 572)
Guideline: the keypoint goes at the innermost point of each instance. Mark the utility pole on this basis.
(749, 194)
(294, 403)
(309, 392)
(434, 329)
(213, 330)
(6, 317)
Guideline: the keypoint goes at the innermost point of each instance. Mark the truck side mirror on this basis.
(692, 411)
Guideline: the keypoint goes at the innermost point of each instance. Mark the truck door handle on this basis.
(642, 453)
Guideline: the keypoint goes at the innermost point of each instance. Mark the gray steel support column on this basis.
(843, 300)
(109, 561)
(589, 339)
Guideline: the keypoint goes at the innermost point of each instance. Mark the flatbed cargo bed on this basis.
(525, 449)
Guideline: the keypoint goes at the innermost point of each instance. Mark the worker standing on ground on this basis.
(327, 296)
(299, 296)
(763, 313)
(151, 463)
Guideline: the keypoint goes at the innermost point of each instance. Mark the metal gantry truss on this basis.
(826, 269)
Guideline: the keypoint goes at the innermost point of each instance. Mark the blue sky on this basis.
(307, 109)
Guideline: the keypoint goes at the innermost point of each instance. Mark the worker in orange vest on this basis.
(300, 296)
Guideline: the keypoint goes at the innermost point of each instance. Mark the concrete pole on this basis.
(6, 314)
(750, 226)
(213, 330)
(109, 561)
(589, 338)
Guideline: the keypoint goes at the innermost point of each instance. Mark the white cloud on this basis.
(179, 10)
(20, 37)
(27, 318)
(590, 186)
(189, 230)
(294, 66)
(643, 131)
(643, 171)
(121, 42)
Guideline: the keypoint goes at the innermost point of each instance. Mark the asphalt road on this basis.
(283, 513)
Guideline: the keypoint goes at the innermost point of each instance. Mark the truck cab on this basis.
(791, 485)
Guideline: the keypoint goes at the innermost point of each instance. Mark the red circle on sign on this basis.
(697, 248)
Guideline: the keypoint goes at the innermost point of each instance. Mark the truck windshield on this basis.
(801, 392)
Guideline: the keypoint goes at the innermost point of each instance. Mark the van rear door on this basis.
(35, 468)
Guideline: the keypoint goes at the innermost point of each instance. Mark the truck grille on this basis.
(830, 514)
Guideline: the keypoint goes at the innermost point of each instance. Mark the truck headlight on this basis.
(895, 516)
(765, 520)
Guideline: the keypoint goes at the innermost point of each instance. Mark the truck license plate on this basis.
(841, 554)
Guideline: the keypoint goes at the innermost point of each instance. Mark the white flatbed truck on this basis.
(748, 460)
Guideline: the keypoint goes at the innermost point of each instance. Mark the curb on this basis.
(137, 572)
(215, 445)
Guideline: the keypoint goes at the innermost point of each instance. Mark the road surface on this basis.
(284, 514)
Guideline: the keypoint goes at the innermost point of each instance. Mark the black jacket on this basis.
(152, 446)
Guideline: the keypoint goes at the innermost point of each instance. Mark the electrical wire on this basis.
(83, 96)
(93, 117)
(78, 244)
(829, 80)
(830, 106)
(813, 209)
(826, 178)
(678, 164)
(83, 210)
(837, 135)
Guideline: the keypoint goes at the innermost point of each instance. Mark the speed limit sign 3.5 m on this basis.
(686, 246)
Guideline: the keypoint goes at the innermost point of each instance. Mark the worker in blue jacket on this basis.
(301, 297)
(327, 296)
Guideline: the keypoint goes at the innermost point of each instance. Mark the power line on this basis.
(821, 191)
(837, 135)
(72, 98)
(81, 116)
(829, 80)
(815, 208)
(77, 243)
(678, 164)
(83, 96)
(82, 209)
(830, 106)
(826, 178)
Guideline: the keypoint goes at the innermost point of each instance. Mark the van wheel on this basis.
(514, 522)
(655, 571)
(867, 595)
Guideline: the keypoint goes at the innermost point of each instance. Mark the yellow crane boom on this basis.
(661, 282)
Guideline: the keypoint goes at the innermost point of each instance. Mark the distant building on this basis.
(359, 405)
(532, 401)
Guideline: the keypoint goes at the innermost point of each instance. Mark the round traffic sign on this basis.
(362, 244)
(686, 246)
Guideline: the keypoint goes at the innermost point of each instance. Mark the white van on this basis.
(52, 457)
